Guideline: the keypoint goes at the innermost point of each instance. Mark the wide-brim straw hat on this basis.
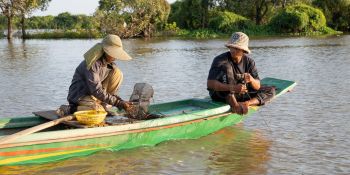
(239, 40)
(112, 45)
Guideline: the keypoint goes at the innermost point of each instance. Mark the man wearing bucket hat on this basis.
(97, 79)
(233, 77)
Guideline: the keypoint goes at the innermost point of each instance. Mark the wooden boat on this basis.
(185, 119)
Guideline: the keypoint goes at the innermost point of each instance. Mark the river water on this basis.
(303, 132)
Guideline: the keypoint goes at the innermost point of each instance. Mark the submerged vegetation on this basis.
(300, 19)
(186, 18)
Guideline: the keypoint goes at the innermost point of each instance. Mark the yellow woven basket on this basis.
(90, 117)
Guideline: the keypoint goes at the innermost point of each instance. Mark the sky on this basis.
(86, 7)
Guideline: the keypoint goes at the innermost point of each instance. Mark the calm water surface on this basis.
(303, 132)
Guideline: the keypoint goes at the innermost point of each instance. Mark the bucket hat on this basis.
(112, 45)
(239, 40)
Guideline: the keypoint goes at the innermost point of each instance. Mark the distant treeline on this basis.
(198, 18)
(63, 21)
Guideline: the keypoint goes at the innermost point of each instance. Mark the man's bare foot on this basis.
(252, 102)
(245, 107)
(241, 108)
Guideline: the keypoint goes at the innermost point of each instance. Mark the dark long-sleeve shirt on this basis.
(89, 82)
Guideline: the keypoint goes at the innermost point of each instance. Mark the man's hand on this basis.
(124, 105)
(255, 83)
(239, 88)
(248, 78)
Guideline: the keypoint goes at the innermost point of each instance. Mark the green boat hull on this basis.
(187, 119)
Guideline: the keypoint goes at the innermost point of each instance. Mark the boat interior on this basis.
(162, 110)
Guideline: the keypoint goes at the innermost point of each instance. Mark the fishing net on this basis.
(141, 98)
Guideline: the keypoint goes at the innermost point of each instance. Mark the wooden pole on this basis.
(35, 129)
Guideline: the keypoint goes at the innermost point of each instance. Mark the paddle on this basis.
(35, 129)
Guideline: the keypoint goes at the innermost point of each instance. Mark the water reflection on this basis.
(246, 154)
(232, 150)
(11, 50)
(16, 49)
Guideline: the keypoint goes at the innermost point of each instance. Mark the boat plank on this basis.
(51, 115)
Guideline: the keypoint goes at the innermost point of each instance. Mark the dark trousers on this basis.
(264, 94)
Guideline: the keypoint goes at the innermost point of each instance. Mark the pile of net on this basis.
(141, 98)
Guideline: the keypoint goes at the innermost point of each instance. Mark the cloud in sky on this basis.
(86, 7)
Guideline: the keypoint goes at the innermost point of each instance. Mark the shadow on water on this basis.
(232, 150)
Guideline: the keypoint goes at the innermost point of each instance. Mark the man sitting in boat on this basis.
(233, 77)
(97, 79)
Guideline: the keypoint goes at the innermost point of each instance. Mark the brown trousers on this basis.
(111, 84)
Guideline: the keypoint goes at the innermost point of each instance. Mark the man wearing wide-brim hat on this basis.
(97, 78)
(233, 77)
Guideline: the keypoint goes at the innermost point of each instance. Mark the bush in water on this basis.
(300, 19)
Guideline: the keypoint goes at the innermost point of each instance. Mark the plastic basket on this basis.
(90, 117)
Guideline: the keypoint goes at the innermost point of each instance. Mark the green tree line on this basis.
(146, 18)
(262, 16)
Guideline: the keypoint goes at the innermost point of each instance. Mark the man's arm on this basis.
(218, 86)
(255, 83)
(252, 76)
(93, 82)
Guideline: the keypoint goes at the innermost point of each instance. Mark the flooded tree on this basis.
(8, 8)
(21, 8)
(26, 7)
